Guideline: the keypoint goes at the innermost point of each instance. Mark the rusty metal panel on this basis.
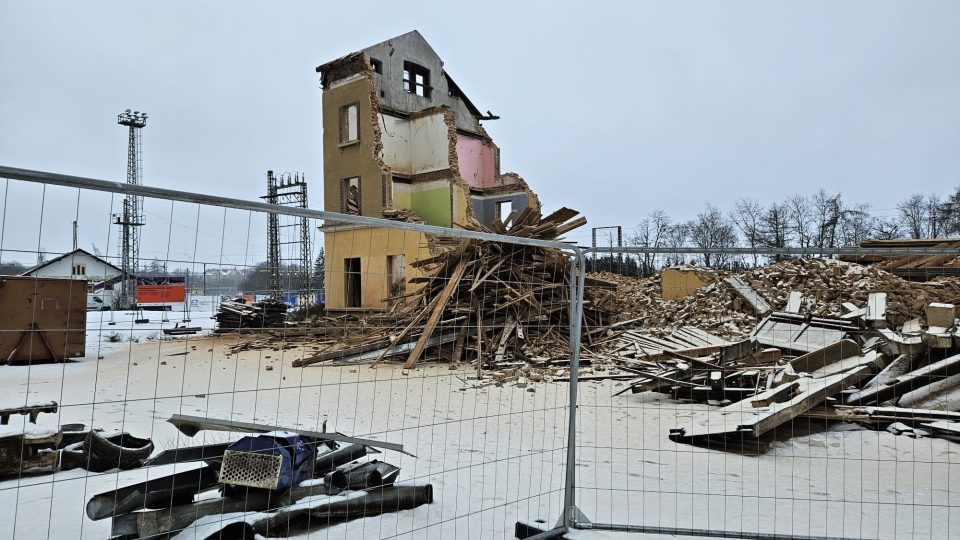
(42, 319)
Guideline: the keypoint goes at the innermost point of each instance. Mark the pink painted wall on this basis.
(476, 159)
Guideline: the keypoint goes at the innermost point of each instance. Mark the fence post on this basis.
(577, 274)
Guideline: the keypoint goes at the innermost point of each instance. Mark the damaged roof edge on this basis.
(351, 63)
(456, 92)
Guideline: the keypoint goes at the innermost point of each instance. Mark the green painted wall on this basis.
(433, 205)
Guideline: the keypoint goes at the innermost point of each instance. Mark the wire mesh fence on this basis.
(204, 373)
(749, 400)
(419, 382)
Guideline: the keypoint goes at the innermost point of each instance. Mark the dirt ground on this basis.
(493, 454)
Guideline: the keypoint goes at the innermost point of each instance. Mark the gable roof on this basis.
(69, 254)
(356, 61)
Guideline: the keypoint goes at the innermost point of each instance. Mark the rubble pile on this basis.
(855, 368)
(824, 284)
(492, 299)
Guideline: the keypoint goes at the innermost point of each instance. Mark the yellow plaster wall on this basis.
(372, 246)
(342, 161)
(681, 282)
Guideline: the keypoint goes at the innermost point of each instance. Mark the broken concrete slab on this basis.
(897, 344)
(794, 302)
(877, 310)
(750, 296)
(941, 315)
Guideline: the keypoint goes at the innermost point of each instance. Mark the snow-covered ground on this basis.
(111, 330)
(493, 454)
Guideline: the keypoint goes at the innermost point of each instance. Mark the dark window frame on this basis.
(377, 65)
(411, 84)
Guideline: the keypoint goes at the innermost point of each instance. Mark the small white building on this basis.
(80, 264)
(77, 264)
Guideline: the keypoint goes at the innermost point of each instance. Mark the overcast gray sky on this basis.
(613, 108)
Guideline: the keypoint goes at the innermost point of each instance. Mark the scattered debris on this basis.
(273, 483)
(33, 410)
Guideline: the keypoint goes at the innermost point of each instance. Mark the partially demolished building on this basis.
(402, 141)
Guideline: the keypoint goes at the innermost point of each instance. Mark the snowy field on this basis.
(493, 454)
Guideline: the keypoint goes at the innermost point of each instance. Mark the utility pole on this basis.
(74, 235)
(132, 217)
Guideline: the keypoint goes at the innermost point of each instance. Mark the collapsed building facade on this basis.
(402, 141)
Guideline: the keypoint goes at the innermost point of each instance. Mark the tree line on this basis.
(818, 221)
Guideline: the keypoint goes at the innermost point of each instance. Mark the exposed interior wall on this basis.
(372, 246)
(428, 143)
(414, 146)
(395, 136)
(485, 207)
(433, 201)
(477, 161)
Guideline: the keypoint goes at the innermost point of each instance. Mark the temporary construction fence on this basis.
(494, 440)
(713, 432)
(491, 454)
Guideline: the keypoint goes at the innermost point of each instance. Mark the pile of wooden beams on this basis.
(483, 301)
(921, 267)
(235, 315)
(906, 380)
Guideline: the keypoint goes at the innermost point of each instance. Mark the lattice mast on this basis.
(288, 190)
(131, 218)
(273, 239)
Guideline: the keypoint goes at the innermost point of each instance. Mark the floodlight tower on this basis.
(132, 217)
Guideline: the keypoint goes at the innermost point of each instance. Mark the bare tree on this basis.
(951, 214)
(747, 215)
(776, 232)
(677, 236)
(827, 212)
(651, 233)
(857, 225)
(886, 229)
(710, 230)
(801, 220)
(913, 216)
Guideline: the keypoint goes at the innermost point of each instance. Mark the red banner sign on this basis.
(161, 294)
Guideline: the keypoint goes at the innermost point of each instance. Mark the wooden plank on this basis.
(743, 418)
(906, 383)
(458, 346)
(812, 361)
(442, 300)
(882, 415)
(942, 395)
(504, 340)
(563, 229)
